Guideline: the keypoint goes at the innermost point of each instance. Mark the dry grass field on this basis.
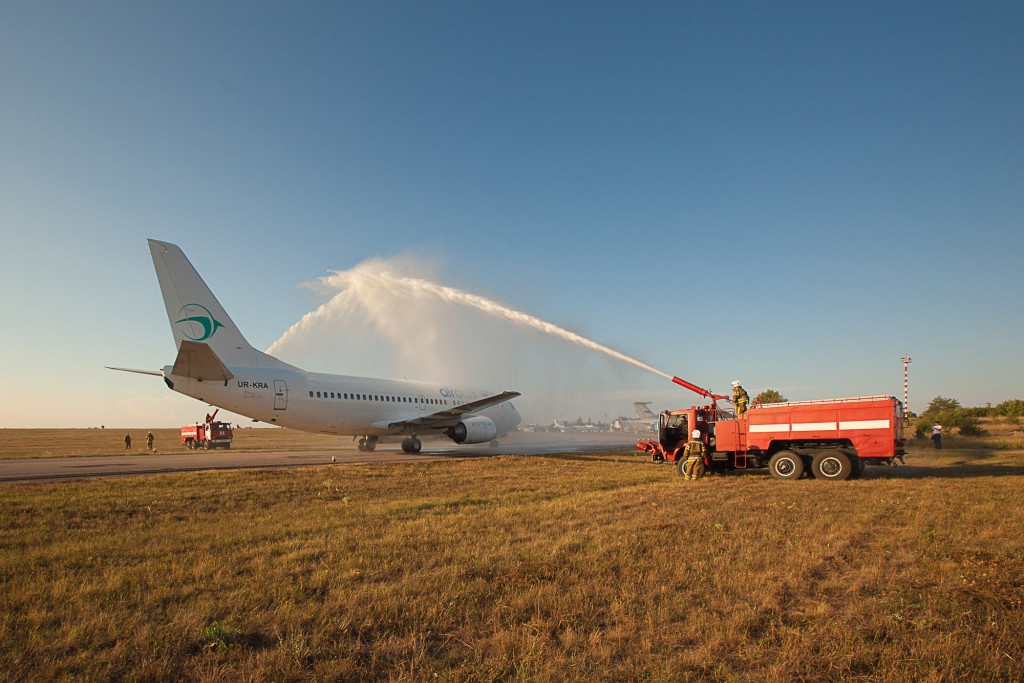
(546, 568)
(59, 443)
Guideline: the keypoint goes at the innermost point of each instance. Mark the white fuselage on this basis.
(335, 404)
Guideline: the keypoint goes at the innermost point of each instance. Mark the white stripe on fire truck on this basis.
(813, 426)
(784, 427)
(816, 426)
(865, 424)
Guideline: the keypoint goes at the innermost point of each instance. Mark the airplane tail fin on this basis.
(642, 411)
(196, 316)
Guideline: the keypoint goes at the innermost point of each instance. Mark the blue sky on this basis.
(794, 194)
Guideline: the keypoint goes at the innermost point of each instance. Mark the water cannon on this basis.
(699, 390)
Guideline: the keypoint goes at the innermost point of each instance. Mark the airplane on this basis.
(643, 412)
(216, 365)
(645, 420)
(565, 427)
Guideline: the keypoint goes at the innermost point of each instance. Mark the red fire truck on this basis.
(828, 438)
(209, 434)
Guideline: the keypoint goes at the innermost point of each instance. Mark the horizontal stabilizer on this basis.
(198, 361)
(155, 373)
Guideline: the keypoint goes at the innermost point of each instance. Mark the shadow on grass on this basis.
(963, 470)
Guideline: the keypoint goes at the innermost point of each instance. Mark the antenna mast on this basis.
(906, 382)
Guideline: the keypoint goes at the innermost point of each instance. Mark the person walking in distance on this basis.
(937, 435)
(128, 441)
(149, 441)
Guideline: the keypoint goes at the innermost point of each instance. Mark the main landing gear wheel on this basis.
(834, 465)
(786, 465)
(411, 445)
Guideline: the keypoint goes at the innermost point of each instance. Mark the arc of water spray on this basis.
(417, 285)
(494, 308)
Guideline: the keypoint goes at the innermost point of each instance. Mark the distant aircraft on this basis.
(645, 420)
(216, 365)
(565, 427)
(643, 412)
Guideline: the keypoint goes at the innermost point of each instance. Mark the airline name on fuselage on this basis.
(455, 393)
(243, 384)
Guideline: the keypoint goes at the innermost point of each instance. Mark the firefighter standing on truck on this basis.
(691, 463)
(739, 397)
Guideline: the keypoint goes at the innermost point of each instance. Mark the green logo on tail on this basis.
(200, 315)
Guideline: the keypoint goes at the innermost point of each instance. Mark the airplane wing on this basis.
(451, 416)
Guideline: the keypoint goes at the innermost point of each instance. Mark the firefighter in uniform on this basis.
(691, 463)
(739, 397)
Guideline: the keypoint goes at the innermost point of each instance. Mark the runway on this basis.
(64, 469)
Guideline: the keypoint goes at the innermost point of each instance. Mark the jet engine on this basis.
(473, 430)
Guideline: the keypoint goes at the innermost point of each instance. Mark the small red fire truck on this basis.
(828, 438)
(209, 434)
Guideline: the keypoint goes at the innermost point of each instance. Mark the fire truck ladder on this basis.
(740, 461)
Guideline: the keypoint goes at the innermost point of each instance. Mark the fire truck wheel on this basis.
(831, 465)
(786, 465)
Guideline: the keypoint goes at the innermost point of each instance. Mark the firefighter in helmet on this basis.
(690, 464)
(739, 397)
